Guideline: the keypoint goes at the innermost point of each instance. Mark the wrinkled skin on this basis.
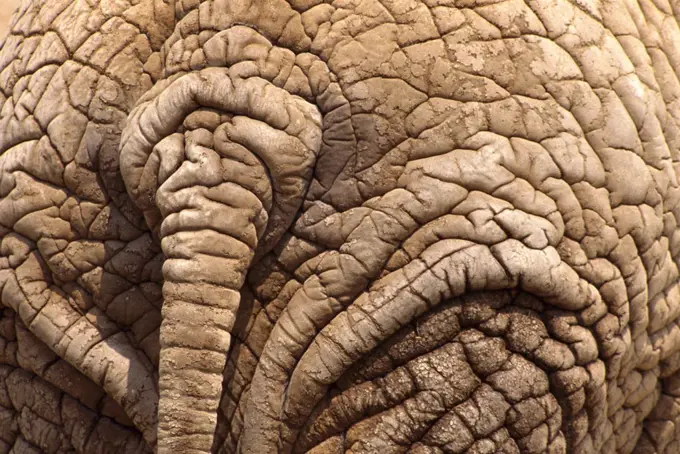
(436, 226)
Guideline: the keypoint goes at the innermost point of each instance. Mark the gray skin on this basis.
(360, 226)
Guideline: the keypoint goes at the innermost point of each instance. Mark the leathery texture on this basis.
(377, 226)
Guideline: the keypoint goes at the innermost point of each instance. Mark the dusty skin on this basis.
(359, 226)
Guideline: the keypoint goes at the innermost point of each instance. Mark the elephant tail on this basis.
(220, 165)
(209, 243)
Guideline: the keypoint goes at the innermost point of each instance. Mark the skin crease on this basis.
(441, 226)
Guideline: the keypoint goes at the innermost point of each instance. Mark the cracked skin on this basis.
(349, 226)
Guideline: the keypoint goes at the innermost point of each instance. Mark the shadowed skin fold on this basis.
(305, 226)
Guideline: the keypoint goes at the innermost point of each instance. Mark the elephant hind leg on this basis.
(481, 372)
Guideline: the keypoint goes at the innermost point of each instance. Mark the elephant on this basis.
(347, 226)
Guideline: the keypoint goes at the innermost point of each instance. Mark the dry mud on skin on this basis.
(267, 226)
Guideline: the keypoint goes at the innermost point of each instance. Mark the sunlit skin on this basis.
(368, 226)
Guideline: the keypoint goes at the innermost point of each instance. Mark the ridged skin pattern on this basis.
(351, 226)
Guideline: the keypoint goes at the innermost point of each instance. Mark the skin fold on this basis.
(307, 226)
